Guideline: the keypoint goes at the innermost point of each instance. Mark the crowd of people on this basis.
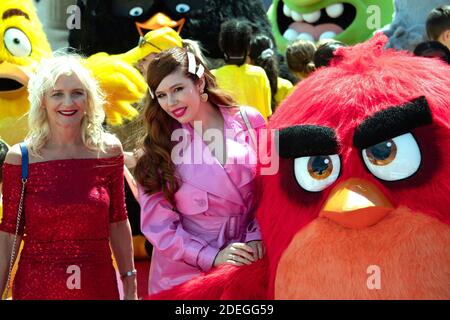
(70, 210)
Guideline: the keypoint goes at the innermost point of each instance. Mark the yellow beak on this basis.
(159, 20)
(13, 80)
(356, 203)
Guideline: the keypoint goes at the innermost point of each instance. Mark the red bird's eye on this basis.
(394, 159)
(320, 167)
(383, 153)
(316, 173)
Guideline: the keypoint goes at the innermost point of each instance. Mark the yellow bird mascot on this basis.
(25, 44)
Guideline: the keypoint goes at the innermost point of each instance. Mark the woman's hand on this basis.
(258, 249)
(237, 254)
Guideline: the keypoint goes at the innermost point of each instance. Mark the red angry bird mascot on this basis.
(359, 208)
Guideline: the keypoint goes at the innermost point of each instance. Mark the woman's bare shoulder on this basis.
(113, 146)
(14, 155)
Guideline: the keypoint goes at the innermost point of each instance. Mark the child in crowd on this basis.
(299, 57)
(246, 83)
(438, 25)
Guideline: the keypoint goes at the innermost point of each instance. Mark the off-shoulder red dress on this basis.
(69, 205)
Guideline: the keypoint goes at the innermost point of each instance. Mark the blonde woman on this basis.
(74, 209)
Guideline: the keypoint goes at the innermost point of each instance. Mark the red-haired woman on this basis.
(195, 173)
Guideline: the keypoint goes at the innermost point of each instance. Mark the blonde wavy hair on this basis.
(48, 72)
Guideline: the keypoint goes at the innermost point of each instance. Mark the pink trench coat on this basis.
(214, 207)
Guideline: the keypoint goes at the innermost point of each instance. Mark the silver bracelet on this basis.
(128, 274)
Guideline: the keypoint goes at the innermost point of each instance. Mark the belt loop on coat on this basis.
(232, 227)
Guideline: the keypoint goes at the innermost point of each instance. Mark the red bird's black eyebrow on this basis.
(306, 140)
(392, 122)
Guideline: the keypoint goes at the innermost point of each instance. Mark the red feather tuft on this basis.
(222, 283)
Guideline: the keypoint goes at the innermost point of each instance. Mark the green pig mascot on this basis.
(349, 21)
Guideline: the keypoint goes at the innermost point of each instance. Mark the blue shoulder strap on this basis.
(24, 150)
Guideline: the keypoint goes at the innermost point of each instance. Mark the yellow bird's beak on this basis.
(13, 80)
(153, 42)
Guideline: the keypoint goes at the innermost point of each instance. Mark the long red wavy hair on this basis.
(155, 170)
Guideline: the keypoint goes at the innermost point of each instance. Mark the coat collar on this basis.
(209, 175)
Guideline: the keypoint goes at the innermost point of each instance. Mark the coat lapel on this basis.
(208, 175)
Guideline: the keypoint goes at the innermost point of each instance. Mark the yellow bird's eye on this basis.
(17, 42)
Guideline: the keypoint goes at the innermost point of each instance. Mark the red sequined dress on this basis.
(69, 205)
